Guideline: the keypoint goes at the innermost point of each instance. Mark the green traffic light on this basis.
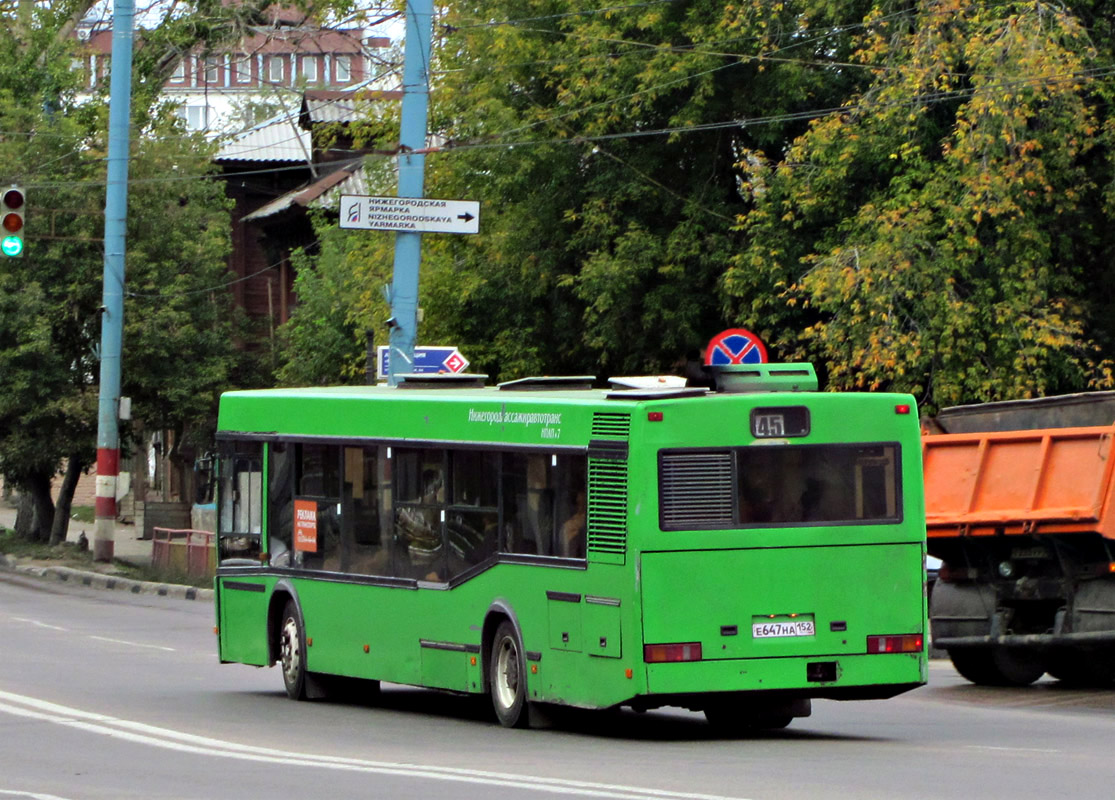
(12, 245)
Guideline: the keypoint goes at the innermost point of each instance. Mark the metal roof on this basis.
(322, 193)
(348, 105)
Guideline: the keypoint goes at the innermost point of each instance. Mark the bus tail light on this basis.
(661, 653)
(901, 643)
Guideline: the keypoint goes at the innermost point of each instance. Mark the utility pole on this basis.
(112, 309)
(412, 172)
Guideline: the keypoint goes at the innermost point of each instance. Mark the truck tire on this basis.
(1091, 668)
(996, 666)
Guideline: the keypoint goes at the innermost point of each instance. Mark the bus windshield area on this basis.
(779, 485)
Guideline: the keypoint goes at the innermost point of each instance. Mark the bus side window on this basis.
(241, 501)
(571, 512)
(418, 505)
(363, 548)
(318, 481)
(472, 516)
(280, 499)
(528, 504)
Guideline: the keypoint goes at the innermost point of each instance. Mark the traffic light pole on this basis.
(412, 173)
(112, 310)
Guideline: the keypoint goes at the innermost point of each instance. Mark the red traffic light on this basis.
(11, 210)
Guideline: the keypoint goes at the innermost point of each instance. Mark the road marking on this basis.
(98, 638)
(141, 733)
(32, 795)
(133, 644)
(1010, 749)
(39, 624)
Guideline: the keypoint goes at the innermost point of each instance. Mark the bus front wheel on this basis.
(292, 652)
(508, 679)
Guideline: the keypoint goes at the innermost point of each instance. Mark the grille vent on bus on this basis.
(607, 508)
(695, 490)
(611, 423)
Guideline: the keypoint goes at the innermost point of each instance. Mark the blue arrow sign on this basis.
(428, 359)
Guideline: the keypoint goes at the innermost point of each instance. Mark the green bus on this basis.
(737, 551)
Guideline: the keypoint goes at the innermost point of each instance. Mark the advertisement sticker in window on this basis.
(305, 525)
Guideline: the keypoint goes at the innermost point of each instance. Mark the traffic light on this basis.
(12, 209)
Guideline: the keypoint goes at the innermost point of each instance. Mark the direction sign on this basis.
(427, 359)
(735, 346)
(411, 214)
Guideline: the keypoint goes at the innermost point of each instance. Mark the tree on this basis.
(933, 235)
(179, 350)
(602, 145)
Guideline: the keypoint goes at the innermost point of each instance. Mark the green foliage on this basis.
(339, 295)
(914, 196)
(934, 236)
(179, 336)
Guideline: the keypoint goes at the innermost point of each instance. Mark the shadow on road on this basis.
(662, 725)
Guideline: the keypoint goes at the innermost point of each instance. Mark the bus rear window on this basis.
(775, 485)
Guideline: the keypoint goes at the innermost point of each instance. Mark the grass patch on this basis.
(83, 514)
(17, 546)
(70, 555)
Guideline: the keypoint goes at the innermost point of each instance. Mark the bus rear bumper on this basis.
(838, 677)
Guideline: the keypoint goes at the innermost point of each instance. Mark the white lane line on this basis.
(32, 795)
(133, 644)
(140, 733)
(1010, 749)
(39, 624)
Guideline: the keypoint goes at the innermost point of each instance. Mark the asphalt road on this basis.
(112, 695)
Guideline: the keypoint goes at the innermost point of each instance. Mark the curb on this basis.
(97, 580)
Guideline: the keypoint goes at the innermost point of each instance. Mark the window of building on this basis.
(179, 74)
(275, 68)
(309, 69)
(213, 70)
(342, 69)
(196, 117)
(241, 66)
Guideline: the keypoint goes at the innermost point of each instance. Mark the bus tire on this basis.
(738, 717)
(292, 651)
(508, 678)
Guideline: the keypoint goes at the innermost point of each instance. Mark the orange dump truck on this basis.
(1020, 508)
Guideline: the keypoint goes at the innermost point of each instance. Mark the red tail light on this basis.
(659, 653)
(903, 643)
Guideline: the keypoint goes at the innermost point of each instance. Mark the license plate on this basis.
(773, 628)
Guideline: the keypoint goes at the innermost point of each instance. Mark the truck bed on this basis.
(1055, 480)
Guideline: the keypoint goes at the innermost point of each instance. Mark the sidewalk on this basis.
(127, 546)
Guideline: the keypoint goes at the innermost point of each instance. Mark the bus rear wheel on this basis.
(292, 651)
(508, 679)
(996, 666)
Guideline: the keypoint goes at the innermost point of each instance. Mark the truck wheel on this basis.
(996, 666)
(1083, 668)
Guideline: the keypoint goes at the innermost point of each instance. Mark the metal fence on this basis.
(185, 552)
